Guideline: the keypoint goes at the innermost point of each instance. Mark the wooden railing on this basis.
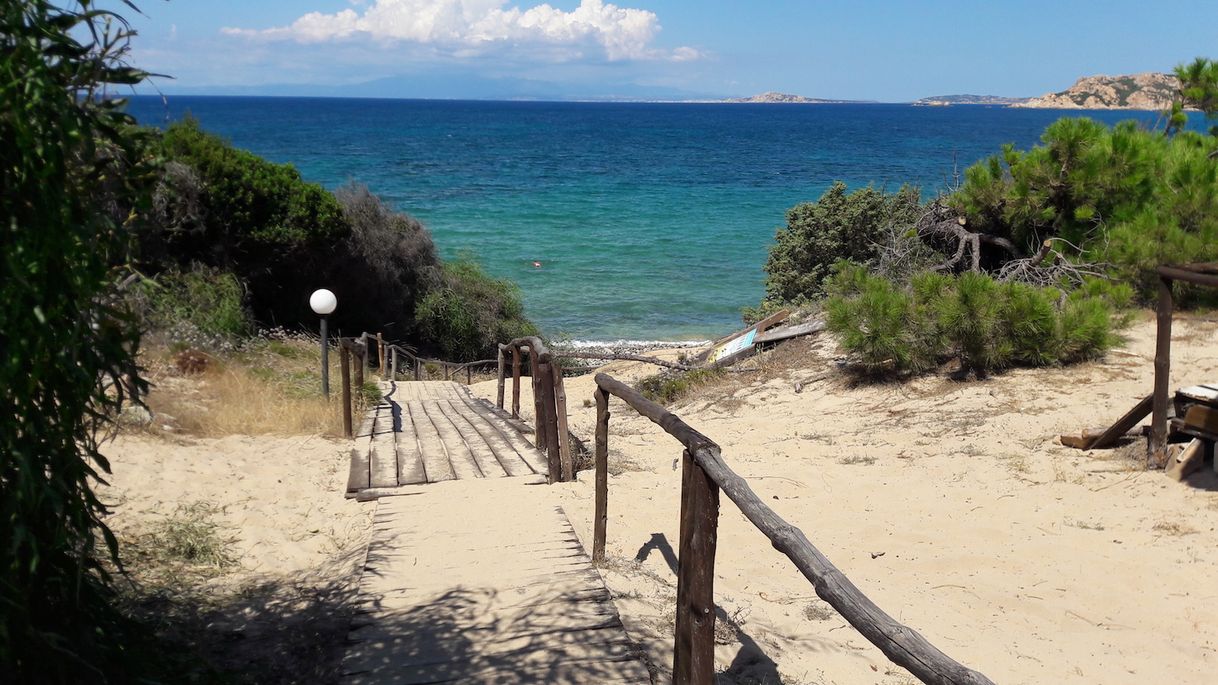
(549, 401)
(387, 355)
(704, 474)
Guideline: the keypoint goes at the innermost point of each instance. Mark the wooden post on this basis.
(694, 648)
(344, 356)
(447, 372)
(515, 382)
(538, 413)
(469, 375)
(418, 369)
(1157, 446)
(560, 413)
(600, 519)
(502, 380)
(380, 351)
(393, 363)
(362, 353)
(550, 422)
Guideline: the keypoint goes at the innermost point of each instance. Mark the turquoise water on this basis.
(650, 221)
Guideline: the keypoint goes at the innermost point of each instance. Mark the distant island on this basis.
(773, 97)
(1150, 91)
(946, 100)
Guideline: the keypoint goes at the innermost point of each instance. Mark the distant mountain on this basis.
(1134, 91)
(946, 100)
(786, 98)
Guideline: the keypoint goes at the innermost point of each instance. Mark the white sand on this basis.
(950, 504)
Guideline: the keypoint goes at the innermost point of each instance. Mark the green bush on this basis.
(1123, 196)
(208, 300)
(876, 321)
(986, 324)
(470, 312)
(667, 387)
(67, 345)
(840, 225)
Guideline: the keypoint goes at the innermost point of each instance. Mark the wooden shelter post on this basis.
(1157, 447)
(694, 649)
(500, 378)
(344, 355)
(600, 519)
(515, 382)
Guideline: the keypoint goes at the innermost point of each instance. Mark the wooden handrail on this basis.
(549, 401)
(704, 474)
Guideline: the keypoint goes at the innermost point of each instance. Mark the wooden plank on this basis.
(505, 456)
(409, 455)
(459, 454)
(694, 648)
(483, 452)
(738, 345)
(1123, 425)
(1188, 461)
(787, 332)
(431, 446)
(1202, 417)
(511, 431)
(358, 476)
(432, 609)
(383, 454)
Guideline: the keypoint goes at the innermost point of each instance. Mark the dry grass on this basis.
(269, 387)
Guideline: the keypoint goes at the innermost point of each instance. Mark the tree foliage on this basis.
(988, 325)
(1198, 90)
(67, 349)
(840, 225)
(282, 237)
(469, 312)
(1122, 197)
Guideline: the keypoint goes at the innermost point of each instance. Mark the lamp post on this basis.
(324, 303)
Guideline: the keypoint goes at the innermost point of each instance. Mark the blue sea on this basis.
(649, 221)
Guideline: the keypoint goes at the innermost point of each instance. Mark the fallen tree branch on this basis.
(625, 357)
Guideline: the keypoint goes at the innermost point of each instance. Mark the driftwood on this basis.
(904, 646)
(616, 357)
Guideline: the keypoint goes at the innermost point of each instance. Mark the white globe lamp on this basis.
(323, 302)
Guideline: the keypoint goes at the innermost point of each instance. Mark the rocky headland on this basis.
(1150, 91)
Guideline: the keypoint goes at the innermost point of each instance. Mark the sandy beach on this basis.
(952, 505)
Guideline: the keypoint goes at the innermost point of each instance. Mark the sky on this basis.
(861, 50)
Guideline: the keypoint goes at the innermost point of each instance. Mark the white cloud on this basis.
(471, 27)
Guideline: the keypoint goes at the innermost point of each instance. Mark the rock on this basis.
(1149, 91)
(135, 415)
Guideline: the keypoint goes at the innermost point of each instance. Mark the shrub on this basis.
(469, 312)
(1125, 197)
(69, 346)
(988, 325)
(210, 300)
(669, 386)
(875, 321)
(839, 225)
(972, 317)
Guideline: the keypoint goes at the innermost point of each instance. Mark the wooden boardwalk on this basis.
(432, 431)
(474, 574)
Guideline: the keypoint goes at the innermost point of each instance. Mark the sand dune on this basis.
(950, 504)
